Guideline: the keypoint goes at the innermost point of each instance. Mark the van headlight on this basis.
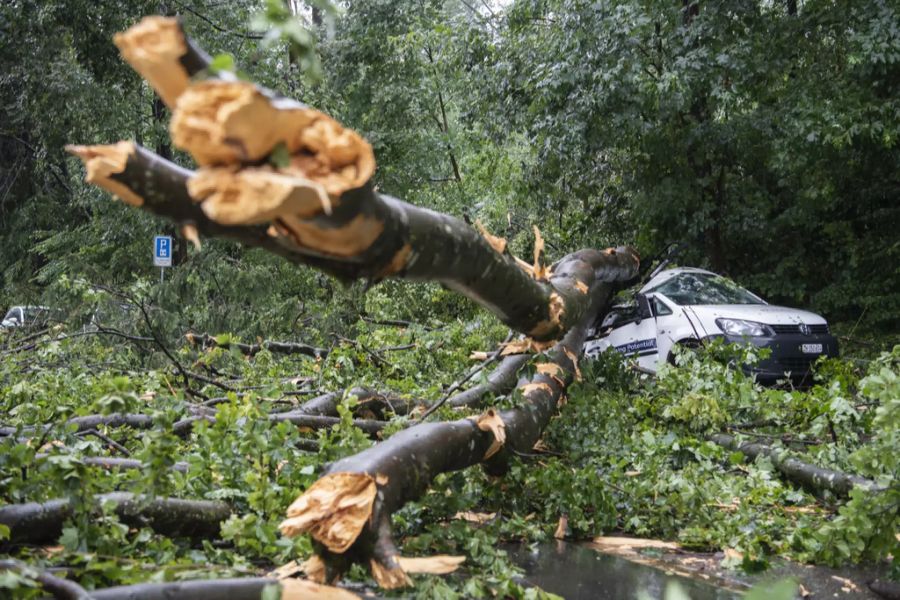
(742, 328)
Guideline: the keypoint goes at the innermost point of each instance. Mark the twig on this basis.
(114, 444)
(431, 409)
(62, 589)
(396, 323)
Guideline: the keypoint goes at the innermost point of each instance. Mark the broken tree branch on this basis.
(806, 474)
(499, 381)
(318, 206)
(348, 510)
(206, 340)
(40, 522)
(61, 589)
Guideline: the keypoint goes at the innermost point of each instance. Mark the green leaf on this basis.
(280, 157)
(221, 62)
(271, 592)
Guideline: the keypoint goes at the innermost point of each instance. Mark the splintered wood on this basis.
(574, 360)
(497, 243)
(539, 271)
(255, 195)
(334, 510)
(491, 421)
(102, 162)
(526, 346)
(433, 565)
(552, 370)
(154, 48)
(556, 309)
(390, 578)
(229, 122)
(300, 589)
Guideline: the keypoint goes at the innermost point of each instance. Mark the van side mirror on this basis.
(643, 307)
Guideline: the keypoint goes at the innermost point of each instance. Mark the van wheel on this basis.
(688, 344)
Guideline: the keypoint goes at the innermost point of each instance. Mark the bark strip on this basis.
(808, 475)
(41, 522)
(161, 53)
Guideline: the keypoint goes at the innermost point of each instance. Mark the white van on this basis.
(687, 306)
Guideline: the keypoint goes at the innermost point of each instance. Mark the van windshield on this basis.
(12, 315)
(704, 288)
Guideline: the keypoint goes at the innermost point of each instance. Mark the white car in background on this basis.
(687, 306)
(25, 316)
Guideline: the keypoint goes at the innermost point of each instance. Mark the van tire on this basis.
(687, 344)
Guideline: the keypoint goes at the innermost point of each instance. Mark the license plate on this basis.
(811, 348)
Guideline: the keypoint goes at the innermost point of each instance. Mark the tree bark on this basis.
(810, 476)
(502, 379)
(41, 522)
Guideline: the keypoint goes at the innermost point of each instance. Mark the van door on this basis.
(669, 321)
(637, 338)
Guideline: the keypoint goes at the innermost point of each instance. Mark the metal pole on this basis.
(162, 274)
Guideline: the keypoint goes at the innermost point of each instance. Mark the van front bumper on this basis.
(791, 357)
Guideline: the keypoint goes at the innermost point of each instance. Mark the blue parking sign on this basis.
(162, 251)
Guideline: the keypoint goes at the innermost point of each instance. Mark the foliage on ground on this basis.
(627, 454)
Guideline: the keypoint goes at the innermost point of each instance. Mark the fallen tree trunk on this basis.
(808, 475)
(348, 510)
(206, 340)
(41, 522)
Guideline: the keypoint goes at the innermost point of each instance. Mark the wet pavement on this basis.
(579, 571)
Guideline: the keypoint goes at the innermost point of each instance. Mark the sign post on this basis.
(162, 254)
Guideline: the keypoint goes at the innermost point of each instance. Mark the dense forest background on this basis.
(761, 134)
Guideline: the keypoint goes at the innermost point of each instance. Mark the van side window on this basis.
(659, 308)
